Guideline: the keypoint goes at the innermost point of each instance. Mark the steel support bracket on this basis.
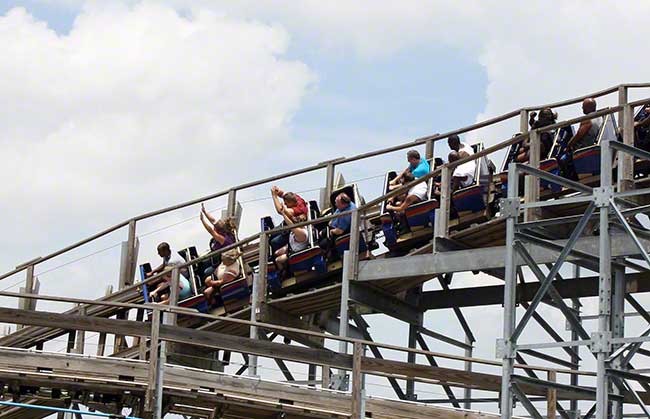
(601, 342)
(340, 382)
(509, 207)
(602, 195)
(506, 349)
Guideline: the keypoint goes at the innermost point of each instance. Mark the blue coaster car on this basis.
(473, 197)
(311, 257)
(273, 280)
(235, 295)
(587, 160)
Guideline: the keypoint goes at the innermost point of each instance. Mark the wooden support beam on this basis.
(357, 394)
(383, 302)
(274, 315)
(551, 397)
(493, 294)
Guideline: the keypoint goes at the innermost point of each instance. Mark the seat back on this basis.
(311, 257)
(144, 269)
(235, 295)
(586, 160)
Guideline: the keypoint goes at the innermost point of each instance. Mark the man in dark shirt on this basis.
(338, 226)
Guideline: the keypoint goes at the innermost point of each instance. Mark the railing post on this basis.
(232, 203)
(428, 151)
(329, 184)
(442, 214)
(127, 273)
(80, 341)
(523, 121)
(531, 187)
(357, 387)
(622, 100)
(101, 342)
(155, 367)
(258, 298)
(626, 161)
(31, 287)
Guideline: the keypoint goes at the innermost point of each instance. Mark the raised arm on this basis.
(279, 206)
(218, 237)
(207, 215)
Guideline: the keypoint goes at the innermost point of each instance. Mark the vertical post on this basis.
(155, 368)
(428, 151)
(329, 184)
(127, 272)
(531, 187)
(618, 328)
(602, 338)
(80, 342)
(575, 359)
(127, 266)
(357, 388)
(350, 260)
(325, 376)
(523, 121)
(258, 298)
(101, 343)
(625, 160)
(442, 214)
(25, 303)
(232, 203)
(412, 297)
(311, 375)
(551, 397)
(622, 100)
(469, 353)
(509, 296)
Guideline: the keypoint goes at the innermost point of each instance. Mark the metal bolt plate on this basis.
(602, 196)
(509, 207)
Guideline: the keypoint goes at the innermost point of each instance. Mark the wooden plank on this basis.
(551, 397)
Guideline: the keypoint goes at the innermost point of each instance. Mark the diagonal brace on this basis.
(546, 283)
(552, 292)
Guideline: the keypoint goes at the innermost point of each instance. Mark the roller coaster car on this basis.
(310, 258)
(342, 243)
(301, 263)
(417, 216)
(641, 166)
(197, 300)
(586, 160)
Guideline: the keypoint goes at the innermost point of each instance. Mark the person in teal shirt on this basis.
(418, 167)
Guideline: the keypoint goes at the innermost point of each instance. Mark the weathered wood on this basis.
(383, 302)
(357, 401)
(551, 397)
(153, 363)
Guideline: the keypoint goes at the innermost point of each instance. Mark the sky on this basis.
(114, 108)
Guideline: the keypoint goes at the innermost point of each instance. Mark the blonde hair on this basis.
(226, 225)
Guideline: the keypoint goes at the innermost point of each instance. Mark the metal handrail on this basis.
(322, 165)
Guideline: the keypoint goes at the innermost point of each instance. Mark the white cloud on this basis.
(137, 107)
